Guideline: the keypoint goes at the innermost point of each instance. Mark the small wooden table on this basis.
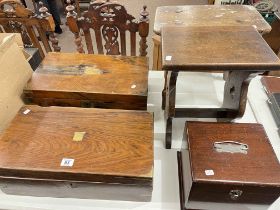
(205, 15)
(86, 80)
(239, 51)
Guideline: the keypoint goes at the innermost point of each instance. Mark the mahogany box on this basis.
(227, 162)
(272, 88)
(86, 80)
(271, 84)
(78, 152)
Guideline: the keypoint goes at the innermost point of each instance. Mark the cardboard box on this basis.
(14, 74)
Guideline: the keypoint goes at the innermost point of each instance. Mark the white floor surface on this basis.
(193, 90)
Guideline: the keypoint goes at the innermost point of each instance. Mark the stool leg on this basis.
(168, 134)
(170, 100)
(164, 91)
(235, 91)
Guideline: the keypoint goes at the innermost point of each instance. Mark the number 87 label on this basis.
(67, 162)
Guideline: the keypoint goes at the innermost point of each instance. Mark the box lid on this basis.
(256, 165)
(271, 84)
(87, 73)
(76, 144)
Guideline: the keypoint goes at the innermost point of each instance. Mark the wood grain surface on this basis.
(111, 81)
(256, 174)
(210, 15)
(258, 167)
(273, 38)
(117, 146)
(271, 84)
(216, 48)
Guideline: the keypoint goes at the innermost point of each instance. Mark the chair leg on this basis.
(23, 2)
(77, 2)
(156, 52)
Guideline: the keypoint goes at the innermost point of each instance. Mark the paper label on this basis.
(26, 111)
(67, 162)
(168, 58)
(209, 173)
(78, 136)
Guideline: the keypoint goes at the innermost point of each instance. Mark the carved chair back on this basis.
(15, 18)
(110, 22)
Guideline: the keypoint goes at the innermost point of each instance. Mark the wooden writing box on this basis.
(271, 84)
(228, 162)
(81, 80)
(76, 152)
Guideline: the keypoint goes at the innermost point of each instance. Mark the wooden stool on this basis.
(239, 50)
(84, 80)
(204, 15)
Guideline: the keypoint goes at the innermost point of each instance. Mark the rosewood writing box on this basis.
(272, 88)
(77, 152)
(274, 105)
(227, 162)
(86, 80)
(271, 84)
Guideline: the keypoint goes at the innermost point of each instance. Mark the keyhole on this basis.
(235, 194)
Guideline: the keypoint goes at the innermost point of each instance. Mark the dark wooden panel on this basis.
(181, 166)
(257, 162)
(117, 146)
(271, 84)
(216, 48)
(255, 173)
(209, 15)
(95, 78)
(205, 113)
(221, 193)
(273, 38)
(87, 101)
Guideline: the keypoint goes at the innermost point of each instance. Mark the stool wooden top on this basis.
(216, 48)
(210, 15)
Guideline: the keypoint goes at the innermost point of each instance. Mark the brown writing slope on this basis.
(80, 146)
(271, 84)
(228, 162)
(72, 79)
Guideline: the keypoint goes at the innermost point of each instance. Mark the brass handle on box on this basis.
(231, 147)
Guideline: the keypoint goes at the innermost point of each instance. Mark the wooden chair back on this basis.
(15, 18)
(110, 22)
